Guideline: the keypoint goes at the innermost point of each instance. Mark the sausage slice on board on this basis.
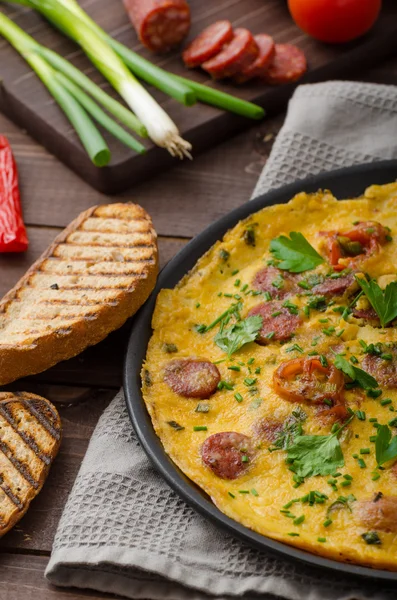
(208, 44)
(235, 57)
(160, 24)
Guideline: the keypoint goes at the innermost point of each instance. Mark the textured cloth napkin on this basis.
(123, 529)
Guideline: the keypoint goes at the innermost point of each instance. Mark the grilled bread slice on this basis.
(95, 275)
(30, 435)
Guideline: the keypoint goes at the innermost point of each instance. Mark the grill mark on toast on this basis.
(20, 467)
(44, 422)
(29, 440)
(14, 499)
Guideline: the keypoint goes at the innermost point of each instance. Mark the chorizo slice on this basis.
(288, 65)
(259, 67)
(192, 377)
(208, 44)
(228, 454)
(384, 371)
(278, 283)
(160, 24)
(235, 57)
(278, 324)
(380, 513)
(268, 428)
(307, 380)
(336, 287)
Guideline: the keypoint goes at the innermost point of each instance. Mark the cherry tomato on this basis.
(306, 379)
(335, 21)
(355, 245)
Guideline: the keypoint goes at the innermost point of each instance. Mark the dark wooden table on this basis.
(182, 202)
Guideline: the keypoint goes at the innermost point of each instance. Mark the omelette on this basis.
(271, 374)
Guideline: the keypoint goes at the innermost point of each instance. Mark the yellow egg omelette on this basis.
(271, 374)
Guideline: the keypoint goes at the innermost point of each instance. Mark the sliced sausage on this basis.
(288, 65)
(384, 371)
(227, 454)
(278, 283)
(380, 513)
(336, 287)
(278, 323)
(192, 377)
(235, 57)
(259, 67)
(268, 429)
(367, 314)
(208, 44)
(160, 24)
(306, 379)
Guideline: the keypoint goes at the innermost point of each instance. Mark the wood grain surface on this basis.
(182, 202)
(26, 101)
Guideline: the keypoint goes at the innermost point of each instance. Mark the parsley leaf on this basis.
(362, 378)
(232, 339)
(383, 301)
(295, 252)
(316, 455)
(312, 455)
(385, 446)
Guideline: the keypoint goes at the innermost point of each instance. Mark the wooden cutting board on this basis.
(25, 100)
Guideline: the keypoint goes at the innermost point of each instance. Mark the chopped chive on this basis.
(202, 407)
(270, 335)
(386, 401)
(372, 438)
(257, 371)
(328, 402)
(323, 320)
(250, 361)
(340, 332)
(237, 283)
(374, 393)
(375, 476)
(254, 492)
(294, 347)
(306, 311)
(361, 463)
(200, 428)
(250, 381)
(323, 360)
(299, 520)
(327, 522)
(354, 360)
(347, 476)
(238, 397)
(243, 491)
(329, 331)
(365, 451)
(386, 356)
(231, 495)
(393, 422)
(293, 534)
(372, 420)
(360, 414)
(276, 313)
(235, 272)
(321, 539)
(244, 458)
(228, 295)
(355, 455)
(267, 296)
(234, 368)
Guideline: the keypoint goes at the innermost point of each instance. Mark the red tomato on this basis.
(335, 21)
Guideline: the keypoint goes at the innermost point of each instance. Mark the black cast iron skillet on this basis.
(344, 183)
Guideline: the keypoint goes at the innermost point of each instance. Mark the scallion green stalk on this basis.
(90, 137)
(161, 129)
(99, 115)
(123, 114)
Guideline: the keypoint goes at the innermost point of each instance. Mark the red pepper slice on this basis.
(13, 236)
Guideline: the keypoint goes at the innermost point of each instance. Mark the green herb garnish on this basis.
(383, 301)
(360, 377)
(385, 445)
(295, 253)
(232, 339)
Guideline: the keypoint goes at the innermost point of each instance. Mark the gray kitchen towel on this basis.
(123, 530)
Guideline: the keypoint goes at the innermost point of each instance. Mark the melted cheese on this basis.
(200, 298)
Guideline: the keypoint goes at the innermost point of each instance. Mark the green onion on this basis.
(238, 397)
(200, 428)
(124, 115)
(90, 137)
(182, 89)
(71, 19)
(99, 115)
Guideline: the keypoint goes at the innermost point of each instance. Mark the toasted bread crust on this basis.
(31, 436)
(43, 346)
